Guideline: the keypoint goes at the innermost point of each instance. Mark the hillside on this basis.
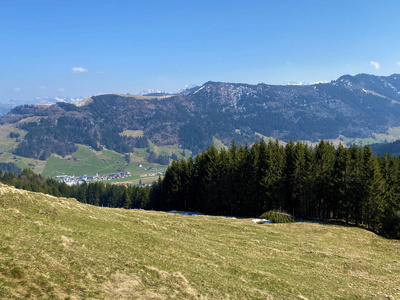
(381, 149)
(352, 108)
(4, 108)
(59, 248)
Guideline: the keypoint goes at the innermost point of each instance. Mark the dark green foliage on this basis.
(321, 184)
(152, 157)
(62, 127)
(277, 217)
(13, 135)
(42, 147)
(393, 148)
(142, 142)
(127, 158)
(9, 167)
(162, 159)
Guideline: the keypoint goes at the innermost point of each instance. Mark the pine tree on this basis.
(355, 191)
(341, 181)
(82, 192)
(289, 171)
(185, 178)
(373, 206)
(155, 197)
(324, 155)
(301, 179)
(223, 183)
(93, 193)
(114, 195)
(209, 164)
(247, 171)
(234, 178)
(172, 186)
(270, 167)
(126, 199)
(390, 223)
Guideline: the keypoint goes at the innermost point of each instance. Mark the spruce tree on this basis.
(125, 199)
(82, 193)
(301, 179)
(341, 181)
(324, 155)
(374, 184)
(289, 172)
(356, 189)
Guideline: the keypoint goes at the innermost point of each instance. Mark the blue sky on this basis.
(60, 48)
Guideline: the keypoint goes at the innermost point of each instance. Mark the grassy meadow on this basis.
(89, 162)
(84, 161)
(6, 143)
(57, 248)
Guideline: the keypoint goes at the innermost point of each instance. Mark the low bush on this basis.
(277, 217)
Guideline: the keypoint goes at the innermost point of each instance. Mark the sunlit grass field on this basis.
(57, 248)
(88, 162)
(84, 161)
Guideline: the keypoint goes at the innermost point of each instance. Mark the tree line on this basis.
(96, 193)
(324, 182)
(320, 183)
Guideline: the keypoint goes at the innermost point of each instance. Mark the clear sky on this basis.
(59, 48)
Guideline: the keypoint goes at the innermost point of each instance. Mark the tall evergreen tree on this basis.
(356, 185)
(302, 179)
(324, 155)
(341, 182)
(289, 172)
(172, 186)
(82, 192)
(373, 206)
(125, 199)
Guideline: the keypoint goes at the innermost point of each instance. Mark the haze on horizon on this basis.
(82, 48)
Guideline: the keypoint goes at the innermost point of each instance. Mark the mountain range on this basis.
(351, 107)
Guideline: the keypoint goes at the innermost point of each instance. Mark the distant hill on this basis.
(5, 108)
(393, 148)
(362, 106)
(58, 248)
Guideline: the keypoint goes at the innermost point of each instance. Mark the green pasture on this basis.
(84, 161)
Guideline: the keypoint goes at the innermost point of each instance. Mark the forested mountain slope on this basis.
(352, 106)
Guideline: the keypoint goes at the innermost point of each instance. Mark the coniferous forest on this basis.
(318, 183)
(321, 183)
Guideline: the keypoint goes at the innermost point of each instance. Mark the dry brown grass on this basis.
(132, 133)
(60, 249)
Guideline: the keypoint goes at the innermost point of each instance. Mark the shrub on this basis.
(277, 217)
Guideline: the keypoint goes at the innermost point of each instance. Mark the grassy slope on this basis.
(87, 162)
(218, 144)
(59, 248)
(6, 143)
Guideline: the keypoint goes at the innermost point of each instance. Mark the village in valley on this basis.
(77, 180)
